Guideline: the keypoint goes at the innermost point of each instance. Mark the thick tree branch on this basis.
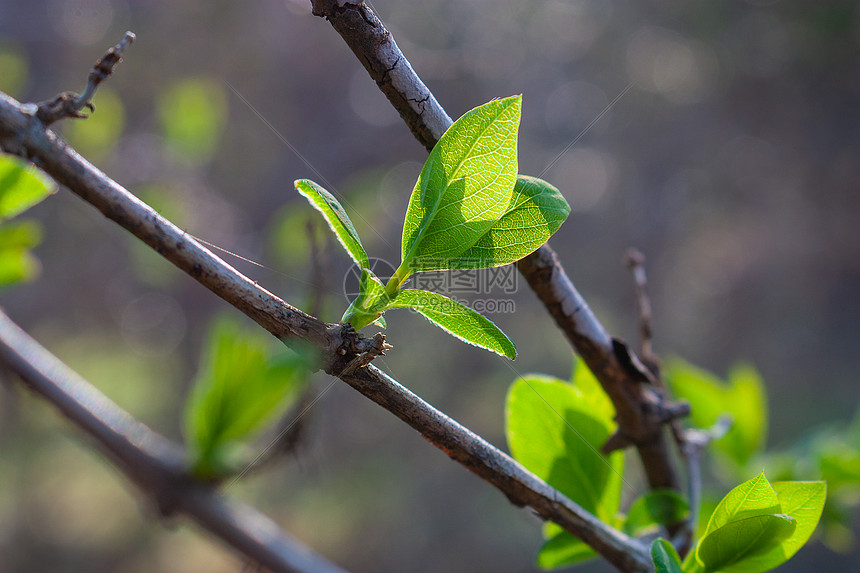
(641, 410)
(342, 350)
(149, 460)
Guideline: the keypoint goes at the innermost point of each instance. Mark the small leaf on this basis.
(369, 304)
(666, 559)
(337, 219)
(751, 498)
(536, 211)
(456, 319)
(21, 186)
(239, 389)
(734, 547)
(657, 507)
(556, 434)
(464, 187)
(17, 264)
(563, 549)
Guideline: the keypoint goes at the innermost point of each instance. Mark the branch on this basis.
(342, 350)
(70, 104)
(636, 263)
(149, 460)
(641, 409)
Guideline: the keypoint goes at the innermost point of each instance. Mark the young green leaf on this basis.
(536, 211)
(337, 219)
(751, 498)
(369, 304)
(464, 187)
(238, 390)
(657, 507)
(555, 433)
(456, 319)
(735, 547)
(664, 556)
(802, 501)
(21, 186)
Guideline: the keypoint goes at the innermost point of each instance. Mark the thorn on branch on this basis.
(70, 104)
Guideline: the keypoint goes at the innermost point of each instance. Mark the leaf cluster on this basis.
(468, 210)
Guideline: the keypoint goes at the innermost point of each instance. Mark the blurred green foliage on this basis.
(242, 386)
(97, 136)
(192, 114)
(13, 69)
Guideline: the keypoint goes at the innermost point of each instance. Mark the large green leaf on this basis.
(21, 186)
(239, 389)
(456, 319)
(464, 187)
(664, 556)
(536, 211)
(751, 498)
(742, 396)
(735, 547)
(337, 219)
(802, 501)
(556, 433)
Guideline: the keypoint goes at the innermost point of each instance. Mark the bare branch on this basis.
(70, 104)
(149, 460)
(641, 412)
(22, 133)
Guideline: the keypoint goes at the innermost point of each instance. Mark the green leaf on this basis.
(555, 433)
(735, 547)
(562, 549)
(21, 186)
(751, 498)
(536, 211)
(657, 507)
(666, 559)
(456, 319)
(803, 502)
(239, 389)
(464, 187)
(20, 234)
(17, 264)
(743, 396)
(369, 304)
(337, 219)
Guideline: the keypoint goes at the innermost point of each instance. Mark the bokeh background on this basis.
(731, 159)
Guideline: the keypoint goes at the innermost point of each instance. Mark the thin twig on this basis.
(156, 465)
(635, 261)
(692, 444)
(22, 134)
(70, 104)
(642, 410)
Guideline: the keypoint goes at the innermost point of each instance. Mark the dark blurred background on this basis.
(731, 159)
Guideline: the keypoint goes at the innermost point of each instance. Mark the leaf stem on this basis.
(397, 279)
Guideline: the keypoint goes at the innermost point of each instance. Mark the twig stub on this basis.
(70, 104)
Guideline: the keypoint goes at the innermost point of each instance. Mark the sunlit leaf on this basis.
(336, 217)
(753, 497)
(465, 186)
(22, 185)
(736, 546)
(536, 211)
(562, 549)
(457, 319)
(657, 507)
